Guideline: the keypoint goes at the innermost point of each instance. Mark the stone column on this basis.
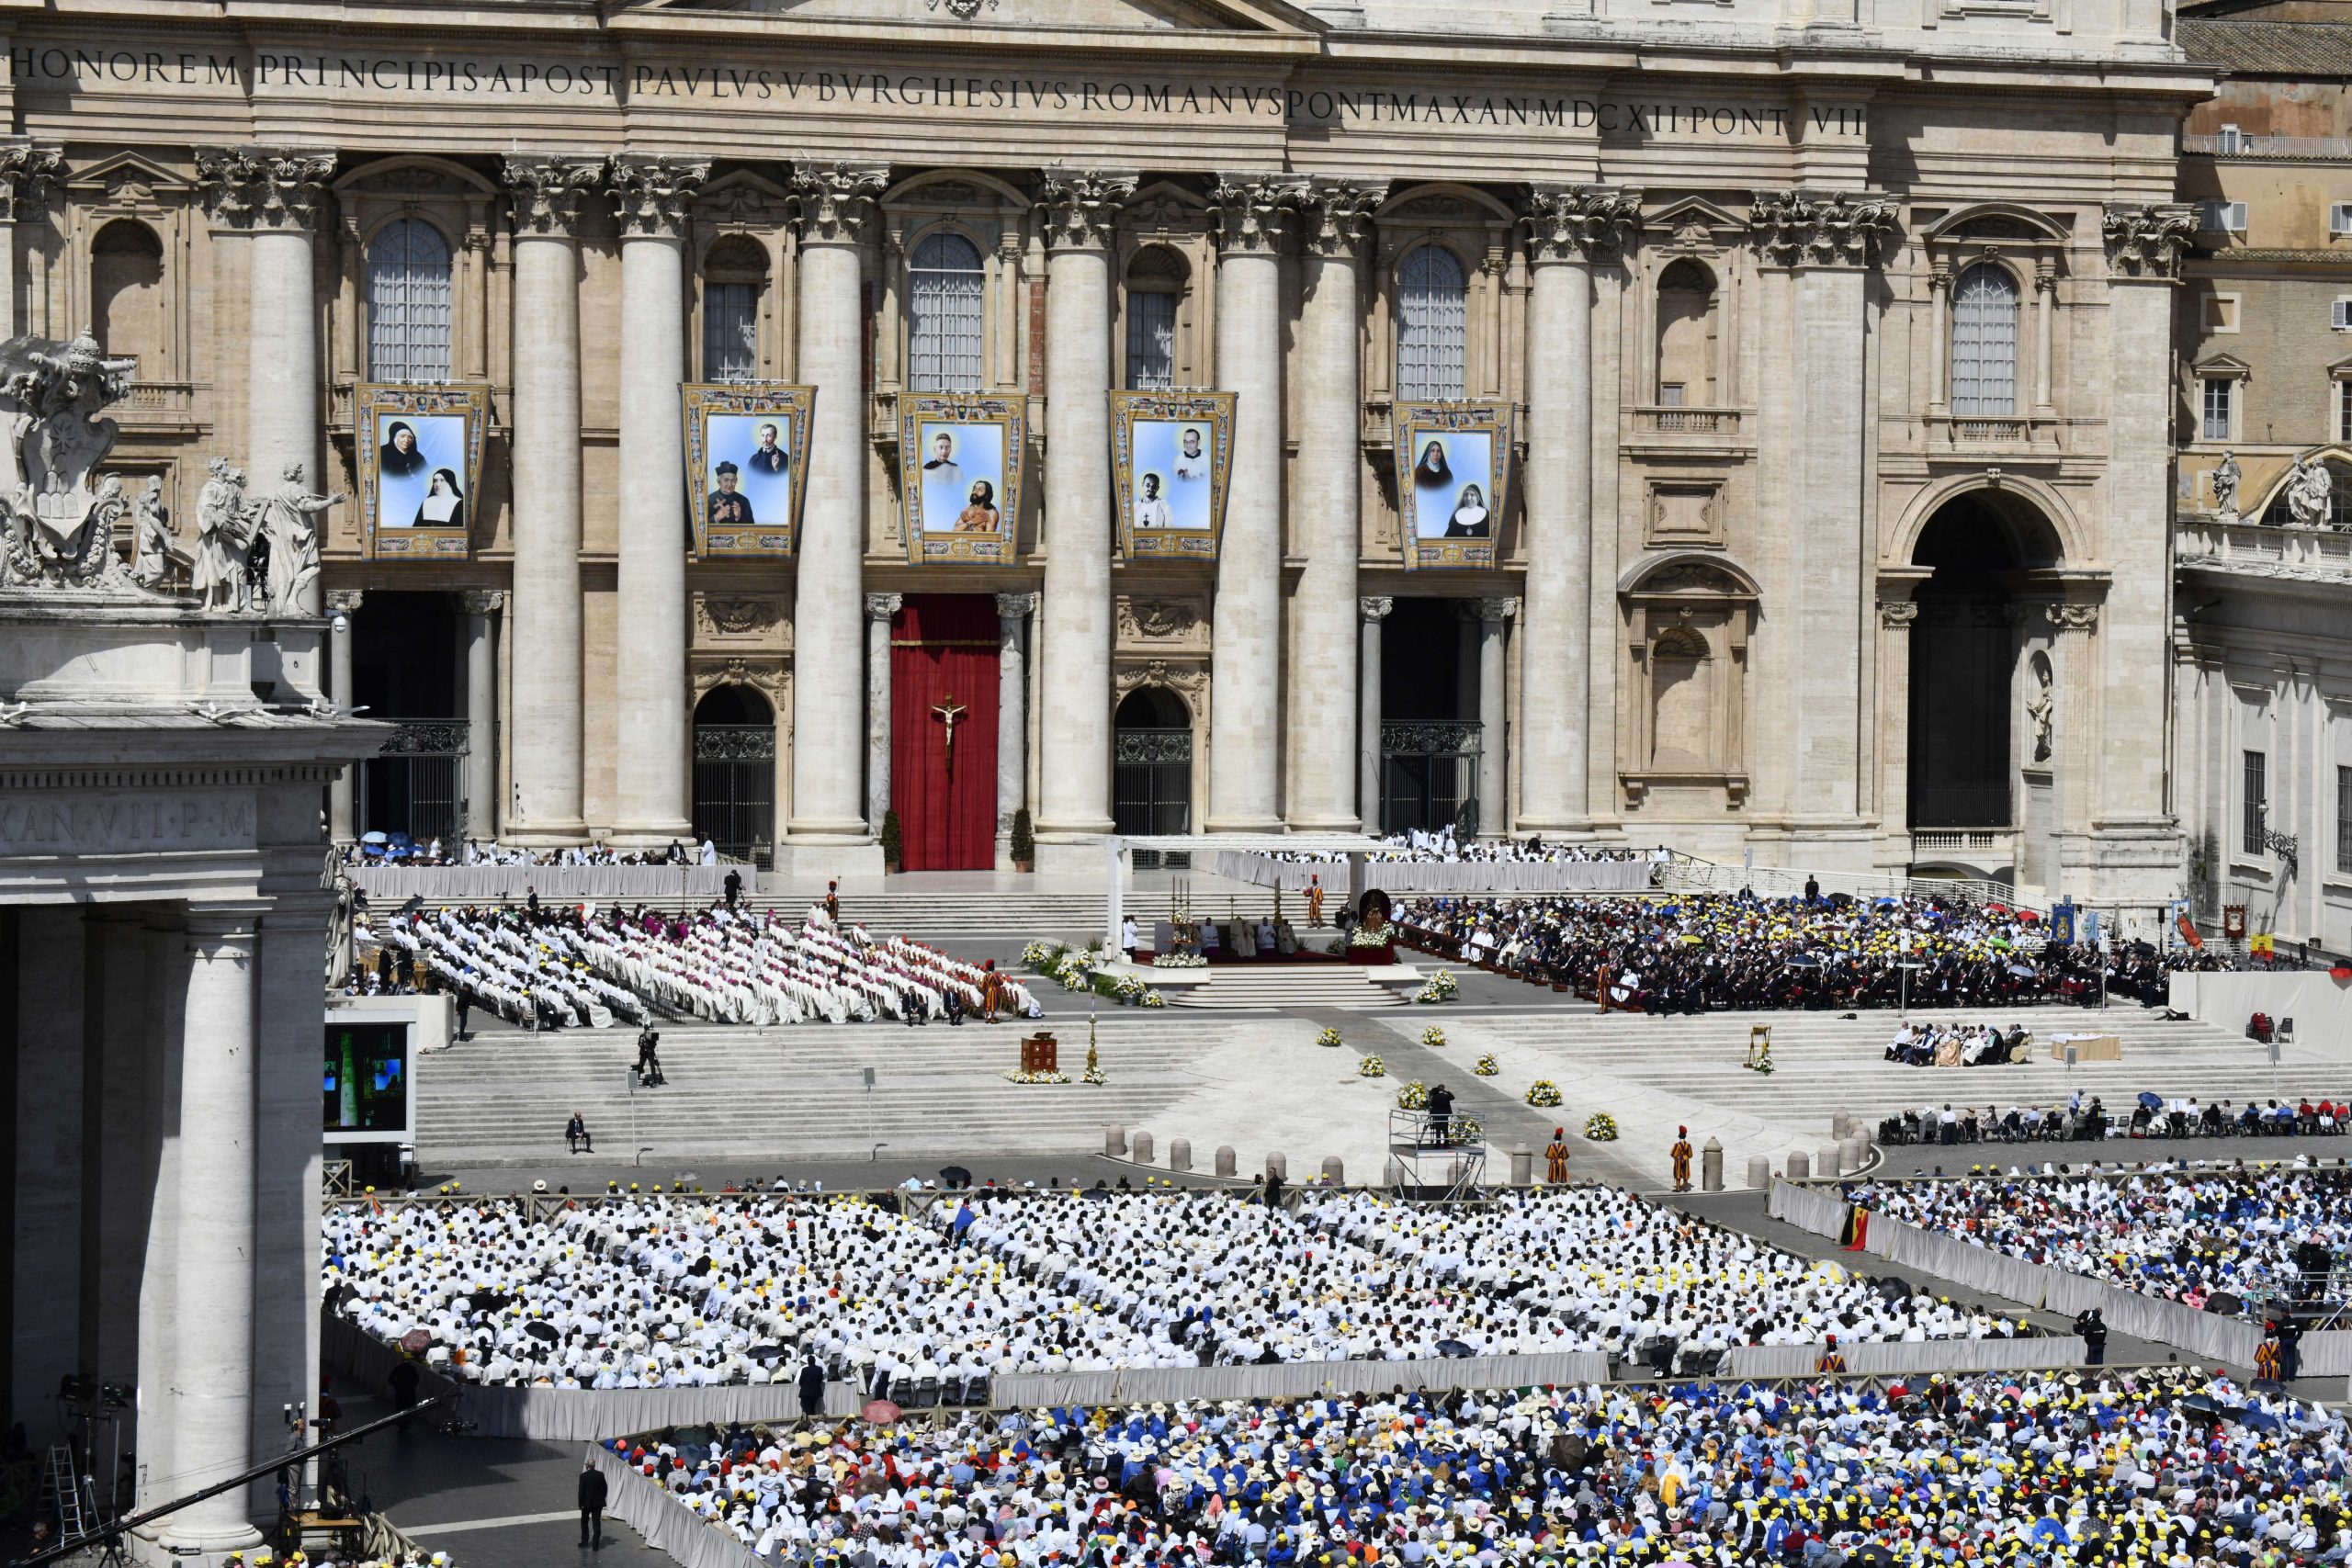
(547, 193)
(1326, 500)
(880, 608)
(653, 797)
(28, 175)
(275, 194)
(1375, 611)
(1013, 611)
(480, 777)
(48, 1154)
(836, 216)
(1895, 617)
(1079, 208)
(1244, 772)
(1571, 229)
(1493, 721)
(210, 1408)
(166, 1011)
(341, 604)
(1829, 240)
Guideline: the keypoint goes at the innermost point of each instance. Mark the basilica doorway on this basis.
(406, 669)
(1151, 755)
(735, 772)
(943, 731)
(1983, 553)
(1430, 736)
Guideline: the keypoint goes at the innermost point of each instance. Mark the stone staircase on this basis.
(1287, 985)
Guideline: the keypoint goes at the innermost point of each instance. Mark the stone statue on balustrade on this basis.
(226, 524)
(289, 521)
(2225, 488)
(59, 516)
(151, 536)
(2311, 493)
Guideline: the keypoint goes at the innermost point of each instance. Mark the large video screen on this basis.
(368, 1090)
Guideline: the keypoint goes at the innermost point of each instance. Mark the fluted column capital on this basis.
(29, 173)
(548, 193)
(1254, 212)
(1796, 228)
(1578, 223)
(651, 192)
(836, 201)
(1335, 213)
(2146, 240)
(1081, 206)
(264, 187)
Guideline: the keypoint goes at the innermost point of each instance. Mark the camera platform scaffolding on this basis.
(1430, 1159)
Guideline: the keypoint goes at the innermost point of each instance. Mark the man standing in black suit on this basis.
(591, 1506)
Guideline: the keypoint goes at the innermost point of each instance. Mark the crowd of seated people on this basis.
(400, 849)
(1692, 953)
(1958, 1045)
(2171, 1467)
(2087, 1120)
(1441, 845)
(527, 971)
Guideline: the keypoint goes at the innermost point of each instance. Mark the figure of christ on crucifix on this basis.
(949, 713)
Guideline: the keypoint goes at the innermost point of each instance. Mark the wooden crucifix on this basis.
(950, 712)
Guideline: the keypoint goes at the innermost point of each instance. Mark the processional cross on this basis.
(950, 711)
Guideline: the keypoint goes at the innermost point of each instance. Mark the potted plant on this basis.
(890, 842)
(1024, 841)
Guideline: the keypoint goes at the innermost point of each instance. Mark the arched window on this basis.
(408, 303)
(1155, 280)
(1985, 344)
(945, 304)
(127, 294)
(734, 276)
(1432, 315)
(1686, 336)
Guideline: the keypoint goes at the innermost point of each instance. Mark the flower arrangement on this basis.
(1039, 957)
(1179, 961)
(1413, 1096)
(1544, 1093)
(1468, 1128)
(1371, 936)
(1600, 1127)
(1371, 1068)
(1433, 1036)
(1041, 1078)
(1440, 987)
(1328, 1037)
(1487, 1066)
(1130, 988)
(1154, 1000)
(1759, 1058)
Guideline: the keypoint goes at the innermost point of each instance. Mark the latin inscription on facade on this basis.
(45, 823)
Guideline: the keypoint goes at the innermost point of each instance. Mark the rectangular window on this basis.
(2339, 315)
(2225, 217)
(2344, 410)
(2227, 143)
(2217, 389)
(730, 332)
(1151, 340)
(1670, 395)
(2339, 218)
(2257, 801)
(2344, 819)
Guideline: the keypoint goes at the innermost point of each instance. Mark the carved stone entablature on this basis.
(1254, 211)
(770, 675)
(2147, 241)
(1081, 206)
(1189, 681)
(1580, 223)
(264, 187)
(651, 193)
(548, 194)
(1794, 228)
(1335, 213)
(1160, 620)
(836, 201)
(730, 616)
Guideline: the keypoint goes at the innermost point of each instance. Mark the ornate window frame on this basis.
(1167, 216)
(2031, 248)
(463, 205)
(993, 216)
(1672, 597)
(741, 204)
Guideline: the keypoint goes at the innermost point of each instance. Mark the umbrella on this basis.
(954, 1176)
(1803, 961)
(1885, 903)
(1452, 1348)
(879, 1410)
(2153, 1101)
(416, 1341)
(2022, 971)
(2050, 1529)
(765, 1352)
(374, 839)
(538, 1330)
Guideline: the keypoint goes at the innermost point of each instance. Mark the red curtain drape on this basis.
(943, 651)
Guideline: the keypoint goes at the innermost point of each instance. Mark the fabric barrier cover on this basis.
(1815, 1211)
(391, 885)
(666, 1527)
(1899, 1357)
(1437, 876)
(1143, 1385)
(2327, 1354)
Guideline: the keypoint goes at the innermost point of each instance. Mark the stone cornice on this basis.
(1337, 212)
(651, 192)
(264, 187)
(1578, 223)
(1796, 228)
(2147, 241)
(836, 201)
(1254, 212)
(28, 171)
(1081, 206)
(548, 192)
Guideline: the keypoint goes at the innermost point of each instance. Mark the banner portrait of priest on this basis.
(960, 477)
(746, 466)
(1171, 455)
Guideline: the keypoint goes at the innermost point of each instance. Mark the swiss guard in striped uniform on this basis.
(1681, 1154)
(1556, 1157)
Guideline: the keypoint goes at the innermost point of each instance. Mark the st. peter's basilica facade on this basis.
(1804, 365)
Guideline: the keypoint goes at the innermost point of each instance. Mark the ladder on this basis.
(65, 1489)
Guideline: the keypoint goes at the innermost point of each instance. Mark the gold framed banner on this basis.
(1171, 458)
(1453, 481)
(420, 458)
(747, 465)
(960, 456)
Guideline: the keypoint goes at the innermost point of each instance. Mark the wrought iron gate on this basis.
(735, 789)
(1152, 781)
(1428, 776)
(411, 786)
